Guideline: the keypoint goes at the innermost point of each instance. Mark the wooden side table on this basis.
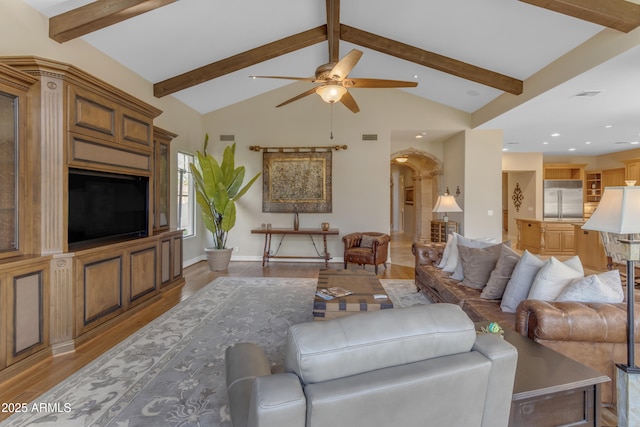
(269, 232)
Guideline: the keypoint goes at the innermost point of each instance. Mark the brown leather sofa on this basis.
(594, 334)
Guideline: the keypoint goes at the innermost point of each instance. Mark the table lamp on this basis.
(619, 212)
(446, 203)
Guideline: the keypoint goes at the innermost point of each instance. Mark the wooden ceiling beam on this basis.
(431, 60)
(240, 61)
(97, 15)
(333, 29)
(620, 15)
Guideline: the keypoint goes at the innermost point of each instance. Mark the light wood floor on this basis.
(27, 385)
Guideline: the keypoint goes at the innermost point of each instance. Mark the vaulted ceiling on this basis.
(463, 53)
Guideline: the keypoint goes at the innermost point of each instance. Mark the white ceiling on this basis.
(505, 36)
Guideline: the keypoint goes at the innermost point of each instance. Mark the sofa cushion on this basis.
(447, 251)
(483, 242)
(478, 263)
(604, 287)
(367, 241)
(553, 276)
(321, 351)
(521, 280)
(500, 275)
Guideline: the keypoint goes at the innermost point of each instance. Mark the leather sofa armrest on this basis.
(276, 401)
(427, 253)
(504, 359)
(573, 321)
(351, 240)
(244, 362)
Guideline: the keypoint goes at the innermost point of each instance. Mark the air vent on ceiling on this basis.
(620, 142)
(369, 136)
(589, 93)
(227, 138)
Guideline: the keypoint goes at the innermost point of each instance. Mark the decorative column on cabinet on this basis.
(161, 176)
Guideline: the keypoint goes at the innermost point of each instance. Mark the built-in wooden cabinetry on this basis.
(593, 186)
(440, 230)
(52, 297)
(161, 141)
(612, 177)
(590, 249)
(632, 170)
(564, 171)
(545, 237)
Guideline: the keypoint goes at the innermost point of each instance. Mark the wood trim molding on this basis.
(620, 15)
(431, 60)
(240, 61)
(333, 29)
(97, 15)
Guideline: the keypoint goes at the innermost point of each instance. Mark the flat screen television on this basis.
(105, 207)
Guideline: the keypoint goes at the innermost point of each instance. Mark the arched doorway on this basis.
(414, 188)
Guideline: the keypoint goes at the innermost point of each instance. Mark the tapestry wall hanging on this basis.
(296, 182)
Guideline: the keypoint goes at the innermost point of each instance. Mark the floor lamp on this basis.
(446, 203)
(619, 212)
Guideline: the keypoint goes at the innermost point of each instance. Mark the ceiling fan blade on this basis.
(376, 83)
(305, 79)
(349, 102)
(295, 98)
(345, 65)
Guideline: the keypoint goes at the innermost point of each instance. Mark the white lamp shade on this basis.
(447, 204)
(618, 211)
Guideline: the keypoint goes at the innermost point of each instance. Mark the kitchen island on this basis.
(546, 237)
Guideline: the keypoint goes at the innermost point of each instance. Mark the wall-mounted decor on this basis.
(408, 196)
(296, 182)
(517, 197)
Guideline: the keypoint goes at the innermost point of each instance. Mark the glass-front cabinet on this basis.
(9, 172)
(162, 140)
(14, 208)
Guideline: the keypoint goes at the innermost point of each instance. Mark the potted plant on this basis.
(218, 186)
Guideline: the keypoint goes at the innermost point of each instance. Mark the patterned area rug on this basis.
(171, 372)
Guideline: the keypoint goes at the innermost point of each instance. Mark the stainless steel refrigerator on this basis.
(563, 200)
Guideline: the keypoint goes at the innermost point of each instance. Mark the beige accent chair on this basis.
(417, 366)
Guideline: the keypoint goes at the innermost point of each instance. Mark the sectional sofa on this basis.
(593, 333)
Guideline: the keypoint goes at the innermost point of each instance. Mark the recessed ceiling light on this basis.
(415, 76)
(505, 149)
(588, 93)
(572, 149)
(555, 134)
(608, 126)
(546, 142)
(635, 142)
(588, 142)
(418, 136)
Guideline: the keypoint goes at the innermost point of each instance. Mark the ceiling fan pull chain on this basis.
(331, 119)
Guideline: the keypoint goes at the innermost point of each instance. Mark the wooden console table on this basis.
(269, 232)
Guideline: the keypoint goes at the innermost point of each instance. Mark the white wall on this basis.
(361, 174)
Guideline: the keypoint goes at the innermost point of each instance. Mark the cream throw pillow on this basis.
(521, 280)
(604, 287)
(554, 276)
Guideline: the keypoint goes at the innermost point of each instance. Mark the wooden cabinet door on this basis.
(613, 177)
(632, 171)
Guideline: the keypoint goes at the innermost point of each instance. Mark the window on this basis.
(186, 195)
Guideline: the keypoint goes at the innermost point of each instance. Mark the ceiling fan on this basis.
(334, 83)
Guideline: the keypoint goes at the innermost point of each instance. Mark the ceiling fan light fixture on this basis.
(331, 93)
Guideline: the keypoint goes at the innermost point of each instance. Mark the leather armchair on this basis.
(366, 248)
(406, 367)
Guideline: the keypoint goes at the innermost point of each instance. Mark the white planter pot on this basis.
(218, 259)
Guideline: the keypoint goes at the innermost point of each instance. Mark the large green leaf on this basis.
(246, 187)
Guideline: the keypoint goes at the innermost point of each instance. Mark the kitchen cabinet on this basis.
(545, 237)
